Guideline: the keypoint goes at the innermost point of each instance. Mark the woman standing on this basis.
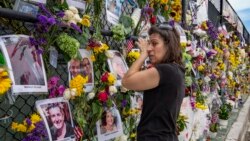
(163, 84)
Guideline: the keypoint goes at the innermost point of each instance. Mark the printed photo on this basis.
(113, 10)
(57, 117)
(110, 125)
(79, 4)
(25, 64)
(25, 7)
(84, 67)
(38, 1)
(117, 65)
(137, 101)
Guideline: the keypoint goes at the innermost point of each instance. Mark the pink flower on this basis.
(60, 90)
(53, 82)
(103, 96)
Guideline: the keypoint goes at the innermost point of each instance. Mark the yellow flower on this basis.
(111, 79)
(133, 55)
(85, 22)
(78, 83)
(31, 127)
(92, 57)
(35, 118)
(133, 135)
(200, 106)
(5, 82)
(164, 1)
(14, 126)
(101, 49)
(201, 68)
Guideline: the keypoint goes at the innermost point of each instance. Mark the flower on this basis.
(92, 57)
(103, 96)
(35, 118)
(111, 79)
(66, 94)
(53, 82)
(73, 9)
(112, 90)
(5, 82)
(109, 54)
(91, 95)
(164, 1)
(153, 20)
(78, 83)
(85, 21)
(104, 77)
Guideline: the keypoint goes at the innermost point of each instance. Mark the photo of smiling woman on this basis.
(57, 118)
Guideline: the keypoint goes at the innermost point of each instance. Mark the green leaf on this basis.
(95, 108)
(2, 61)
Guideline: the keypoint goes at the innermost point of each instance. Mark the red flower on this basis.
(103, 96)
(104, 77)
(153, 20)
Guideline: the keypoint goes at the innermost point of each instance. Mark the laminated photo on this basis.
(79, 4)
(110, 125)
(137, 104)
(38, 1)
(113, 10)
(25, 7)
(25, 65)
(117, 65)
(57, 118)
(84, 67)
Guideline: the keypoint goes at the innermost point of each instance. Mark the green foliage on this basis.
(181, 123)
(2, 59)
(224, 112)
(119, 32)
(213, 127)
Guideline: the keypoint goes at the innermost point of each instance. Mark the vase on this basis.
(212, 134)
(223, 123)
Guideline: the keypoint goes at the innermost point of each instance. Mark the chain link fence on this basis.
(23, 105)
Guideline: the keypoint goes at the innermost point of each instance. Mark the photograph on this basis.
(25, 7)
(79, 4)
(38, 1)
(137, 101)
(110, 125)
(84, 67)
(117, 65)
(26, 67)
(57, 117)
(113, 10)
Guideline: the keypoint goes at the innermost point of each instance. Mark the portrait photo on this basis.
(79, 4)
(57, 117)
(110, 125)
(25, 7)
(117, 65)
(113, 10)
(83, 67)
(26, 67)
(137, 104)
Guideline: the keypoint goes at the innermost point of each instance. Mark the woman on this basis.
(87, 69)
(108, 122)
(163, 84)
(118, 65)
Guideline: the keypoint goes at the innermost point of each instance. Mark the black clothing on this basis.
(69, 132)
(161, 105)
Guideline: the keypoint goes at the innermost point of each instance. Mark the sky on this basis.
(242, 7)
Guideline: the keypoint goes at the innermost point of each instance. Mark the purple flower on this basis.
(43, 20)
(60, 14)
(42, 41)
(33, 41)
(53, 82)
(171, 23)
(51, 21)
(28, 121)
(124, 103)
(44, 9)
(75, 27)
(60, 90)
(39, 50)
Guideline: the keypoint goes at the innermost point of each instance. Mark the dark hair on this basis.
(104, 122)
(171, 38)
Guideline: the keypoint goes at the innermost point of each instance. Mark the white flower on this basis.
(207, 79)
(69, 15)
(109, 54)
(73, 92)
(112, 90)
(77, 18)
(71, 21)
(73, 9)
(66, 94)
(122, 138)
(199, 32)
(91, 95)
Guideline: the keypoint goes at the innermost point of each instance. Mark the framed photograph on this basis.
(137, 101)
(26, 67)
(110, 125)
(56, 115)
(25, 7)
(80, 4)
(83, 67)
(113, 10)
(117, 65)
(38, 1)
